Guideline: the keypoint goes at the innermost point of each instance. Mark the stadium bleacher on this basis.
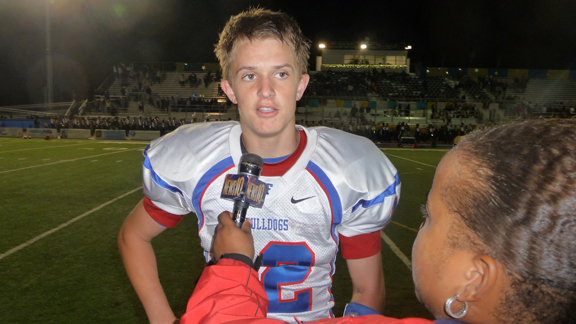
(544, 92)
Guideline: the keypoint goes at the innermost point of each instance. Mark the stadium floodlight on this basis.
(409, 47)
(363, 46)
(322, 46)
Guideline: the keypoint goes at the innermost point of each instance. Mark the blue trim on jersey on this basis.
(391, 190)
(204, 181)
(157, 178)
(276, 160)
(335, 203)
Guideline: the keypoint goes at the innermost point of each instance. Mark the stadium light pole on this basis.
(49, 85)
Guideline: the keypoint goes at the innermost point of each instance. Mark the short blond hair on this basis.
(258, 23)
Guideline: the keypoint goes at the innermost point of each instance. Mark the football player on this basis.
(326, 189)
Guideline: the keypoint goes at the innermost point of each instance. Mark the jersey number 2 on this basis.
(287, 264)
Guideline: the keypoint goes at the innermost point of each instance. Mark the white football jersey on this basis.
(334, 184)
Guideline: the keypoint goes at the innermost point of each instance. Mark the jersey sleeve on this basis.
(371, 213)
(360, 246)
(166, 194)
(174, 165)
(161, 216)
(163, 193)
(368, 187)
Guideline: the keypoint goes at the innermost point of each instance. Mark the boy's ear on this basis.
(302, 84)
(227, 87)
(482, 276)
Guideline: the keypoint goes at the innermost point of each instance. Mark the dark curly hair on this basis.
(518, 198)
(258, 23)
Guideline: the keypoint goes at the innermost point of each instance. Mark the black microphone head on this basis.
(250, 164)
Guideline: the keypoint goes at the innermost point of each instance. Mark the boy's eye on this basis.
(282, 75)
(249, 77)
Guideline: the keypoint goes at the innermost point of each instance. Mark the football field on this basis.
(62, 203)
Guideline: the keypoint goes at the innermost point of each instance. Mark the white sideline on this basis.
(403, 158)
(62, 161)
(396, 250)
(41, 236)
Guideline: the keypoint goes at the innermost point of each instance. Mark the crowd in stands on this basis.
(194, 81)
(385, 133)
(339, 84)
(145, 74)
(116, 123)
(136, 86)
(401, 86)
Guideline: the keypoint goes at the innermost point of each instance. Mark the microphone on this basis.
(244, 188)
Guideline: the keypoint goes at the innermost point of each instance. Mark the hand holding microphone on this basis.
(229, 239)
(244, 188)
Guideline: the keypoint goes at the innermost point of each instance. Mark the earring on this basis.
(448, 308)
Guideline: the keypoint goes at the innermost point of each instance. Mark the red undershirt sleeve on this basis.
(161, 216)
(360, 246)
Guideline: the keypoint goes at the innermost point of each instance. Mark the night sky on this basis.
(89, 36)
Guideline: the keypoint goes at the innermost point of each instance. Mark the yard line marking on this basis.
(63, 161)
(45, 147)
(419, 168)
(61, 226)
(86, 148)
(46, 159)
(118, 161)
(402, 225)
(124, 142)
(396, 250)
(403, 158)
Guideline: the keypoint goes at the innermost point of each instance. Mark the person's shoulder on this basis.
(195, 134)
(205, 129)
(191, 144)
(354, 159)
(352, 146)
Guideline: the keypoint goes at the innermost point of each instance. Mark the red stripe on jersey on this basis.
(360, 246)
(161, 216)
(278, 169)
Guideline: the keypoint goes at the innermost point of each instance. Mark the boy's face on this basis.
(265, 83)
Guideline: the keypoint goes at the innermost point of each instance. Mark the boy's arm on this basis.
(134, 242)
(368, 281)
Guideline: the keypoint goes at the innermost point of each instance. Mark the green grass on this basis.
(76, 275)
